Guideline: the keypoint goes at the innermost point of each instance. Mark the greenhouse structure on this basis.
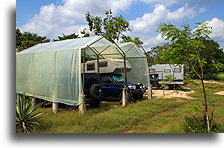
(52, 71)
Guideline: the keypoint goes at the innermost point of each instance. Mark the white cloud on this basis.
(180, 13)
(149, 22)
(163, 2)
(192, 3)
(69, 16)
(217, 34)
(217, 28)
(54, 20)
(153, 41)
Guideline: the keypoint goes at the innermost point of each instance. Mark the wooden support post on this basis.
(33, 101)
(82, 106)
(149, 91)
(124, 97)
(55, 107)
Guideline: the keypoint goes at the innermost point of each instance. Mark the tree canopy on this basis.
(184, 43)
(111, 27)
(27, 39)
(69, 36)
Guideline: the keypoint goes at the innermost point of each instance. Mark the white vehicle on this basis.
(106, 66)
(159, 72)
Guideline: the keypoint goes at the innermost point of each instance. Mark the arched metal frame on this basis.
(98, 54)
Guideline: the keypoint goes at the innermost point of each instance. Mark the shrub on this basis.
(219, 76)
(198, 125)
(26, 115)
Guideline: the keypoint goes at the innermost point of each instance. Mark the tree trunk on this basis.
(206, 106)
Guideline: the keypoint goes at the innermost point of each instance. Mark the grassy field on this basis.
(159, 115)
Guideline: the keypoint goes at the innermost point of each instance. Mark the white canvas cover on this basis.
(52, 71)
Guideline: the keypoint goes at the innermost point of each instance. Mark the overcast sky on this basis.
(51, 18)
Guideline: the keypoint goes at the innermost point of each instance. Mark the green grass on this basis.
(147, 116)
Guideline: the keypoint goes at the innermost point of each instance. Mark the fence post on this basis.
(149, 91)
(82, 106)
(55, 107)
(124, 97)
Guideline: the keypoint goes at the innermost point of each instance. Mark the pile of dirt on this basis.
(173, 93)
(220, 93)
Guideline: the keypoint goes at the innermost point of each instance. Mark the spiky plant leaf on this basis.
(26, 115)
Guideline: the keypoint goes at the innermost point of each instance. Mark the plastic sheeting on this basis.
(138, 61)
(52, 71)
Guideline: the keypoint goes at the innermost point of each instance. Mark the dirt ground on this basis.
(172, 93)
(214, 82)
(220, 93)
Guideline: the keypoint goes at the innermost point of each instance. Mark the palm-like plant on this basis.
(26, 115)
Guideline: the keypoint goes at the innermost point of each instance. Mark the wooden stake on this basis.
(149, 91)
(124, 97)
(82, 106)
(55, 107)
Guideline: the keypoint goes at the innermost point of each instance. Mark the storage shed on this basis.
(52, 71)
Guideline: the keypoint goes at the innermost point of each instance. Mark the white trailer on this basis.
(159, 72)
(106, 66)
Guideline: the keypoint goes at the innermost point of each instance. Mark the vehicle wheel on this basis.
(95, 91)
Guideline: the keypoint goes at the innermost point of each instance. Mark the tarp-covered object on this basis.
(52, 71)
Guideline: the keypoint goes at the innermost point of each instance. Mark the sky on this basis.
(52, 18)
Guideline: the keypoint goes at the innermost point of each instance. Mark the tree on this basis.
(69, 36)
(27, 39)
(18, 38)
(136, 40)
(186, 47)
(84, 33)
(155, 55)
(212, 54)
(111, 27)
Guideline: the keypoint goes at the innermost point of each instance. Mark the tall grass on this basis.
(103, 120)
(157, 115)
(198, 125)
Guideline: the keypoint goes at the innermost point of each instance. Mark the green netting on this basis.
(52, 71)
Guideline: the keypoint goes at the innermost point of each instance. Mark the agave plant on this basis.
(26, 114)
